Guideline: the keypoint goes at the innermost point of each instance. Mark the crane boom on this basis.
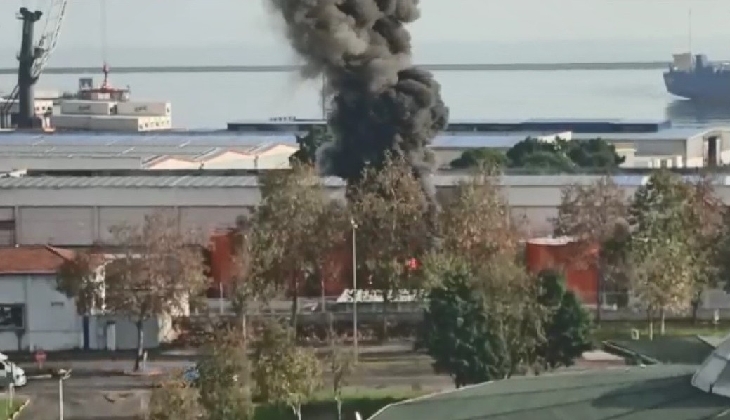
(51, 31)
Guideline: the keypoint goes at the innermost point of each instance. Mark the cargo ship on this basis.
(96, 108)
(695, 77)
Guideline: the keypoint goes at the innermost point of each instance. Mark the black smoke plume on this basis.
(381, 104)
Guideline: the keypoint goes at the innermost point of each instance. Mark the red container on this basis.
(575, 259)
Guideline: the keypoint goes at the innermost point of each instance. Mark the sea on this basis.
(210, 100)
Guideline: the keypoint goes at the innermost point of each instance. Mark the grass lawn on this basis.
(6, 409)
(679, 345)
(621, 330)
(365, 401)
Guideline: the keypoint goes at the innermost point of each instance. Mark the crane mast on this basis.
(32, 60)
(27, 57)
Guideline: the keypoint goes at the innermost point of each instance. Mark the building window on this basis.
(12, 317)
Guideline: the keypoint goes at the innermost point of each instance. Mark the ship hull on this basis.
(704, 87)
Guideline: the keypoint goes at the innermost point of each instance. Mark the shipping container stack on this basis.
(107, 115)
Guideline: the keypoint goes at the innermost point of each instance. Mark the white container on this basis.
(70, 122)
(152, 109)
(87, 107)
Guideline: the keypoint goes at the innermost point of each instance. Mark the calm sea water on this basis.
(211, 100)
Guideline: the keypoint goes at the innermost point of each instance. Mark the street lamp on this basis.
(62, 375)
(354, 289)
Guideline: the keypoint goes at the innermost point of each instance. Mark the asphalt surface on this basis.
(88, 398)
(97, 390)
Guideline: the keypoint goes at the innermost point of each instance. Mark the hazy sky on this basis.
(451, 29)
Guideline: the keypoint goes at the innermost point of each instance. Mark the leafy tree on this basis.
(284, 373)
(567, 327)
(475, 220)
(706, 216)
(562, 155)
(482, 322)
(663, 261)
(294, 226)
(595, 215)
(157, 271)
(315, 138)
(78, 278)
(224, 381)
(594, 153)
(480, 157)
(389, 210)
(174, 400)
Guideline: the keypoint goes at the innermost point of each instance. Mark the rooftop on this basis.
(661, 392)
(238, 179)
(32, 259)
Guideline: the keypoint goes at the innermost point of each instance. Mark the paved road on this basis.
(88, 398)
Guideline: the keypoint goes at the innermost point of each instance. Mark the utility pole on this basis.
(26, 79)
(354, 290)
(62, 375)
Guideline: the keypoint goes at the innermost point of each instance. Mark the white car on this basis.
(11, 374)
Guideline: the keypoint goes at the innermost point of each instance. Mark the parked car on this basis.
(10, 373)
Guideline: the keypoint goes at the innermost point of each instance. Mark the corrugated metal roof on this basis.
(246, 181)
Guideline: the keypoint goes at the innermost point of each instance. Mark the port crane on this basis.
(33, 59)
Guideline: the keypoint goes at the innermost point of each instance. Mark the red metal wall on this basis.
(574, 259)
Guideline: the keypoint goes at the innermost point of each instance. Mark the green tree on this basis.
(482, 322)
(562, 155)
(594, 153)
(284, 373)
(480, 157)
(224, 381)
(663, 260)
(567, 327)
(315, 138)
(596, 215)
(294, 226)
(174, 400)
(706, 214)
(389, 210)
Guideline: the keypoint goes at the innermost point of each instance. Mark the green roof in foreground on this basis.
(661, 392)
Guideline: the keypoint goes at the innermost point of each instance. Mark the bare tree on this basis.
(389, 210)
(293, 228)
(156, 271)
(341, 363)
(594, 214)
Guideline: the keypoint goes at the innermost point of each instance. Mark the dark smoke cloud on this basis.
(381, 103)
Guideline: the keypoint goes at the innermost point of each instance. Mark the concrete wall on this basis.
(51, 321)
(154, 332)
(10, 163)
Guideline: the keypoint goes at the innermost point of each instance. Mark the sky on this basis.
(242, 31)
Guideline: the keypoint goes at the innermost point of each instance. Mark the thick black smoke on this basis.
(381, 103)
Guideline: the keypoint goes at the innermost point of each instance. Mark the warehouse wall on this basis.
(81, 216)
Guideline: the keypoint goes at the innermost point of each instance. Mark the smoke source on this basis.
(381, 103)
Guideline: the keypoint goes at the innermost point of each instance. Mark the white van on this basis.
(10, 373)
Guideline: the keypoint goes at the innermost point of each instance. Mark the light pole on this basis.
(354, 289)
(62, 374)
